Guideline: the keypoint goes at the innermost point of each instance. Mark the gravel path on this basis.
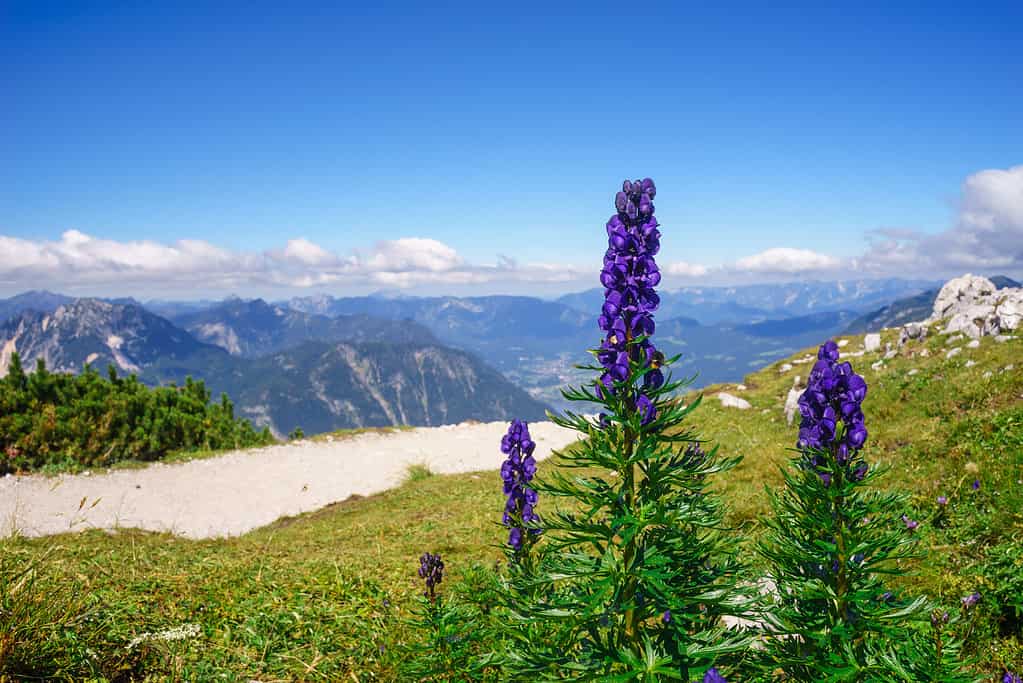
(239, 491)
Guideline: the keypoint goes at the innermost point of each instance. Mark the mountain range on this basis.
(752, 303)
(367, 380)
(255, 328)
(323, 362)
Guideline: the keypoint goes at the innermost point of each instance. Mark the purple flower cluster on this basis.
(833, 396)
(431, 570)
(713, 676)
(1010, 677)
(629, 277)
(970, 600)
(517, 471)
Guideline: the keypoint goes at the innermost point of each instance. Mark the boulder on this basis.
(952, 353)
(912, 332)
(730, 401)
(973, 306)
(872, 342)
(792, 404)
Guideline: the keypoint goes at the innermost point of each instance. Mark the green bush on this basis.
(66, 421)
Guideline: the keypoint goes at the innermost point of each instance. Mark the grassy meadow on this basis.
(325, 596)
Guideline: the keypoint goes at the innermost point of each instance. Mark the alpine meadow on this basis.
(485, 342)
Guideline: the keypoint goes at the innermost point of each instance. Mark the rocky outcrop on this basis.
(974, 306)
(732, 401)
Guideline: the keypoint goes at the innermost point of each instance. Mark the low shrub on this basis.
(68, 421)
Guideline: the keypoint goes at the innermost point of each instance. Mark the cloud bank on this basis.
(987, 235)
(78, 260)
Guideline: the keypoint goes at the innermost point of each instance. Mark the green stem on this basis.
(629, 487)
(842, 587)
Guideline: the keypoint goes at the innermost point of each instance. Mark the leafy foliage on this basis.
(85, 420)
(833, 544)
(635, 571)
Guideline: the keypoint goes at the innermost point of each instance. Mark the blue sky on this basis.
(499, 132)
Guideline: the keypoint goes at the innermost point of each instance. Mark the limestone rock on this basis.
(973, 306)
(912, 332)
(785, 367)
(792, 404)
(953, 352)
(730, 401)
(970, 363)
(872, 342)
(975, 343)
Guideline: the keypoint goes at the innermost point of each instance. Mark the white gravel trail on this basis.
(239, 491)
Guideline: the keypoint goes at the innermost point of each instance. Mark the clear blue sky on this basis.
(500, 130)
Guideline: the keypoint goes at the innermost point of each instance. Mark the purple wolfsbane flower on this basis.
(971, 600)
(832, 420)
(942, 500)
(516, 472)
(431, 570)
(713, 676)
(629, 276)
(911, 524)
(1010, 677)
(976, 484)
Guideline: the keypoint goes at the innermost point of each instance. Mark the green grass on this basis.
(340, 434)
(323, 596)
(417, 472)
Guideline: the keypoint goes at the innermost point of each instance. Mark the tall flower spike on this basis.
(832, 398)
(431, 570)
(629, 276)
(516, 472)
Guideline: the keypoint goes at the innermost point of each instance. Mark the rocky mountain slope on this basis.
(321, 386)
(35, 300)
(255, 328)
(92, 331)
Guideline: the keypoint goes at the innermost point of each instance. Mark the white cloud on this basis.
(685, 269)
(303, 251)
(414, 254)
(786, 260)
(987, 234)
(79, 260)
